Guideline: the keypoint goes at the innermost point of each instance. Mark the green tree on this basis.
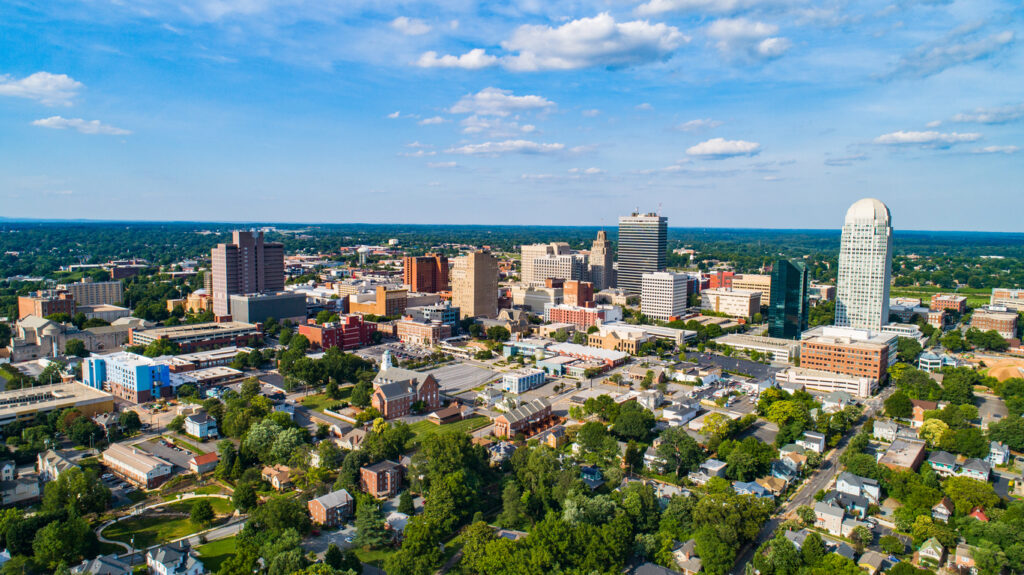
(806, 514)
(61, 542)
(891, 545)
(967, 493)
(908, 349)
(202, 512)
(405, 503)
(370, 531)
(76, 490)
(244, 497)
(899, 405)
(813, 549)
(129, 421)
(76, 347)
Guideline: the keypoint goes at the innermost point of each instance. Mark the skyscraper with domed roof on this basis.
(865, 266)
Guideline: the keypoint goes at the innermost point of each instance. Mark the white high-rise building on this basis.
(663, 294)
(865, 266)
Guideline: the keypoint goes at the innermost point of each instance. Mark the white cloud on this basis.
(418, 153)
(473, 60)
(442, 164)
(716, 6)
(431, 121)
(586, 171)
(591, 113)
(846, 160)
(997, 150)
(930, 138)
(933, 124)
(996, 115)
(83, 126)
(494, 127)
(699, 124)
(506, 147)
(717, 148)
(395, 115)
(497, 102)
(956, 48)
(586, 42)
(50, 89)
(410, 26)
(644, 107)
(740, 36)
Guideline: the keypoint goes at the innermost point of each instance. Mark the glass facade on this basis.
(642, 242)
(788, 308)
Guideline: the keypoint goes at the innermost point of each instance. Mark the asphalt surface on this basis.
(460, 377)
(734, 364)
(805, 494)
(990, 409)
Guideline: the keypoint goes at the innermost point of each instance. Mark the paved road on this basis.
(805, 494)
(184, 497)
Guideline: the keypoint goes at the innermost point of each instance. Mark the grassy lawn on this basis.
(374, 557)
(424, 429)
(320, 401)
(975, 297)
(217, 552)
(150, 529)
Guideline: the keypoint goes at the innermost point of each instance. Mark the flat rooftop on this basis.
(48, 397)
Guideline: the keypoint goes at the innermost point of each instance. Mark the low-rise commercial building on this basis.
(136, 466)
(443, 312)
(611, 358)
(730, 301)
(47, 302)
(522, 380)
(129, 376)
(848, 351)
(25, 403)
(527, 419)
(949, 302)
(415, 332)
(778, 349)
(258, 308)
(999, 319)
(903, 455)
(583, 317)
(619, 337)
(349, 332)
(200, 336)
(827, 381)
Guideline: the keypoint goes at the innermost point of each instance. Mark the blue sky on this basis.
(746, 113)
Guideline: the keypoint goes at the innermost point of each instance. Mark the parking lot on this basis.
(398, 351)
(991, 409)
(756, 370)
(460, 377)
(176, 455)
(765, 431)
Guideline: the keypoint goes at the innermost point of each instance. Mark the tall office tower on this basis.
(247, 265)
(602, 263)
(789, 300)
(642, 240)
(530, 252)
(865, 266)
(426, 274)
(664, 294)
(475, 285)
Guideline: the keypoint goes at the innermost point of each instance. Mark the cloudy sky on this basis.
(741, 113)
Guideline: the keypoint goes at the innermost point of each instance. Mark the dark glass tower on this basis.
(642, 242)
(788, 308)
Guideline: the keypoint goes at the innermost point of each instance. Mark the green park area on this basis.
(423, 429)
(216, 552)
(165, 523)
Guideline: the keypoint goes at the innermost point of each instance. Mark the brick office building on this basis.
(576, 292)
(1000, 319)
(426, 274)
(867, 357)
(526, 419)
(44, 303)
(950, 302)
(330, 510)
(349, 332)
(395, 390)
(381, 480)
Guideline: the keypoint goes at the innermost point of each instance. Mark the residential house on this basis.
(828, 517)
(979, 514)
(7, 470)
(20, 491)
(773, 485)
(784, 472)
(51, 464)
(450, 414)
(381, 480)
(963, 560)
(352, 439)
(591, 476)
(943, 462)
(201, 425)
(931, 553)
(998, 453)
(204, 463)
(396, 522)
(525, 419)
(836, 401)
(278, 476)
(921, 406)
(852, 504)
(812, 440)
(654, 461)
(176, 558)
(860, 486)
(751, 488)
(710, 468)
(102, 565)
(330, 510)
(872, 562)
(978, 469)
(943, 510)
(794, 460)
(554, 437)
(885, 430)
(650, 399)
(677, 414)
(685, 555)
(500, 452)
(489, 396)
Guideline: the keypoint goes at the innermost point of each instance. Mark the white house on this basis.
(861, 486)
(201, 425)
(174, 559)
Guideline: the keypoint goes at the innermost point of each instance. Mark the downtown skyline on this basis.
(725, 113)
